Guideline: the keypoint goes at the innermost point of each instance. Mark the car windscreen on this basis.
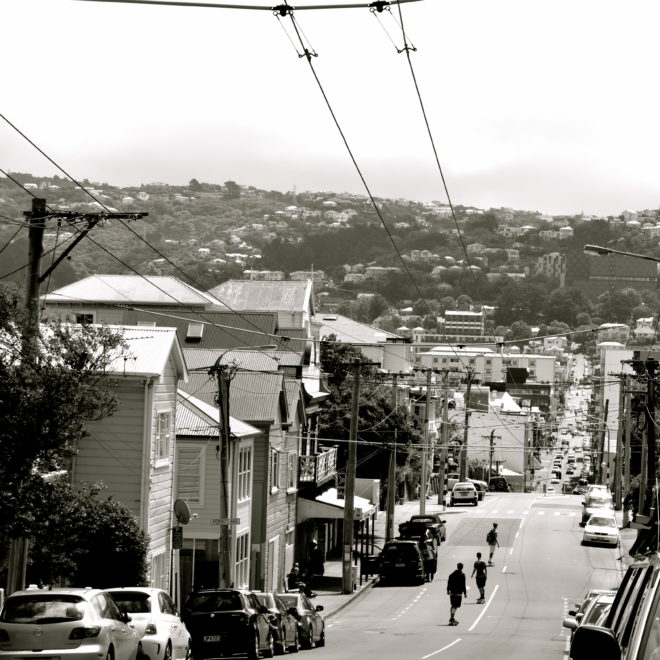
(266, 600)
(289, 601)
(215, 602)
(602, 521)
(43, 608)
(133, 602)
(397, 551)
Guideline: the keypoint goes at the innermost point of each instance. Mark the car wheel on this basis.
(269, 652)
(296, 643)
(110, 655)
(189, 653)
(321, 641)
(306, 639)
(253, 648)
(167, 655)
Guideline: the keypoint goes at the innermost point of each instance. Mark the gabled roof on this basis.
(194, 417)
(252, 360)
(136, 289)
(253, 397)
(279, 296)
(349, 331)
(147, 353)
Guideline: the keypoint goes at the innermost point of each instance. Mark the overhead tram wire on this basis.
(407, 48)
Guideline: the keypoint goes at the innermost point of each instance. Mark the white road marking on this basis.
(504, 570)
(486, 606)
(444, 648)
(516, 536)
(541, 513)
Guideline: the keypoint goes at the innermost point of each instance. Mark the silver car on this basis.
(154, 615)
(62, 624)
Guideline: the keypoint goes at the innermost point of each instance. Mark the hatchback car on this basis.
(402, 561)
(224, 622)
(154, 615)
(85, 624)
(284, 623)
(464, 493)
(311, 626)
(596, 502)
(601, 528)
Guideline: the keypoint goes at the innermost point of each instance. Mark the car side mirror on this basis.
(263, 609)
(569, 622)
(319, 608)
(125, 617)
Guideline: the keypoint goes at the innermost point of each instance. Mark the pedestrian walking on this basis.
(315, 562)
(491, 539)
(481, 572)
(456, 589)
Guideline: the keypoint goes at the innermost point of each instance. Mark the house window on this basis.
(435, 360)
(242, 561)
(163, 435)
(244, 473)
(146, 324)
(274, 469)
(291, 476)
(84, 317)
(158, 574)
(195, 332)
(190, 466)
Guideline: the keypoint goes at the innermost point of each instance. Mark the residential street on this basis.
(541, 570)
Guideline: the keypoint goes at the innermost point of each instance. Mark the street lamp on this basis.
(601, 251)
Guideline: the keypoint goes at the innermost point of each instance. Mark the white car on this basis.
(155, 617)
(601, 528)
(464, 493)
(67, 624)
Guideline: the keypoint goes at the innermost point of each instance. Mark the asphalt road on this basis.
(541, 570)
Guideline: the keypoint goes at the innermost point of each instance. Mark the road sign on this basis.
(177, 538)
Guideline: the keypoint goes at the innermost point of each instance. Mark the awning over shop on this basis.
(328, 505)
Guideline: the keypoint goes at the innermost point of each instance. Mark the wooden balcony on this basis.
(319, 468)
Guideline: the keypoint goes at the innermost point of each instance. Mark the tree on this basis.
(617, 306)
(49, 389)
(83, 539)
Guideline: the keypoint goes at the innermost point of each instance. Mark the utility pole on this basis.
(601, 443)
(349, 497)
(463, 458)
(626, 448)
(618, 461)
(651, 365)
(223, 374)
(391, 473)
(444, 439)
(525, 455)
(425, 449)
(491, 452)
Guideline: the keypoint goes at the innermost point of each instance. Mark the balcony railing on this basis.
(319, 467)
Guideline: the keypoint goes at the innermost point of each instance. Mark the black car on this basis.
(311, 627)
(225, 622)
(434, 522)
(285, 624)
(402, 561)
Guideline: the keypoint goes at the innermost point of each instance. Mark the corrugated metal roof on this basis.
(263, 296)
(250, 360)
(147, 352)
(221, 329)
(253, 397)
(347, 330)
(147, 289)
(194, 417)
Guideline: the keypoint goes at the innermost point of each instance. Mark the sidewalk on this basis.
(329, 587)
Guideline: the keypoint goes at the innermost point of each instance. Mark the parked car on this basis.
(463, 493)
(499, 484)
(80, 624)
(601, 528)
(284, 623)
(596, 502)
(434, 522)
(228, 622)
(311, 626)
(481, 486)
(630, 629)
(402, 561)
(154, 615)
(591, 610)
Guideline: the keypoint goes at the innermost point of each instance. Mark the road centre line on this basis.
(486, 606)
(444, 648)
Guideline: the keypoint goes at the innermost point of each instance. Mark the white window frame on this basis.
(291, 471)
(274, 470)
(85, 313)
(163, 441)
(242, 566)
(194, 469)
(243, 492)
(158, 576)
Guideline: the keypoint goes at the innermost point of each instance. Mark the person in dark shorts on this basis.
(456, 589)
(481, 571)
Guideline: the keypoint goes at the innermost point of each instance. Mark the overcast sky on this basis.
(542, 105)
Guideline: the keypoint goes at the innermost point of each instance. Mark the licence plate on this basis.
(211, 638)
(399, 565)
